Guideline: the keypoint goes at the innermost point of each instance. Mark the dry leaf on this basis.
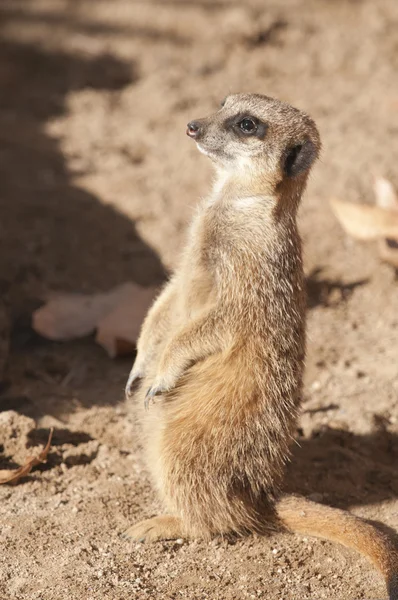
(117, 314)
(378, 222)
(14, 475)
(70, 316)
(386, 196)
(365, 222)
(118, 331)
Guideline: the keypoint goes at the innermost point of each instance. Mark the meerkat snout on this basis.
(193, 129)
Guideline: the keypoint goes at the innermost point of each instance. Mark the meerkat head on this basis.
(254, 134)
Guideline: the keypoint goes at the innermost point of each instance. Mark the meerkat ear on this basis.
(299, 158)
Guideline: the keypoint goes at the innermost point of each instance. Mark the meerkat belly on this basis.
(217, 452)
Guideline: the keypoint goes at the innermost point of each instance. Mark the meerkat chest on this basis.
(224, 249)
(197, 289)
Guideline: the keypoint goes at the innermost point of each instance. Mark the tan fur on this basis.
(222, 349)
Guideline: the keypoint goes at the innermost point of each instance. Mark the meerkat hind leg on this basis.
(162, 527)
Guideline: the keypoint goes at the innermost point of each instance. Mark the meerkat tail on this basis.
(304, 516)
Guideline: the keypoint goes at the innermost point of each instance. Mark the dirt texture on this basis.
(97, 184)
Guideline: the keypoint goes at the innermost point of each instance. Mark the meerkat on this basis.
(220, 357)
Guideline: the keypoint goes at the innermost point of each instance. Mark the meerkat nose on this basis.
(193, 129)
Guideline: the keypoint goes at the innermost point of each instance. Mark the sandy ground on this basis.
(97, 184)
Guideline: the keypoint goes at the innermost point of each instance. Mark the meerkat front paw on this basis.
(162, 384)
(164, 527)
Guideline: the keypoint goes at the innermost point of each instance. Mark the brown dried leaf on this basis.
(14, 475)
(365, 222)
(386, 196)
(118, 331)
(69, 316)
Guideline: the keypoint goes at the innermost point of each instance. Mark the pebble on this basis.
(316, 385)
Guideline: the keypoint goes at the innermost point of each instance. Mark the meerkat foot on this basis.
(163, 527)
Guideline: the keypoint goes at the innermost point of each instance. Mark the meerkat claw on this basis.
(155, 391)
(147, 402)
(151, 393)
(132, 383)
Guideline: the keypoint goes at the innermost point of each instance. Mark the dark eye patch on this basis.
(223, 101)
(234, 124)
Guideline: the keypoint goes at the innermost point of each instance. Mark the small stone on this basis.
(315, 498)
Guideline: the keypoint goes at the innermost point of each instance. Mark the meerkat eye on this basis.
(248, 126)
